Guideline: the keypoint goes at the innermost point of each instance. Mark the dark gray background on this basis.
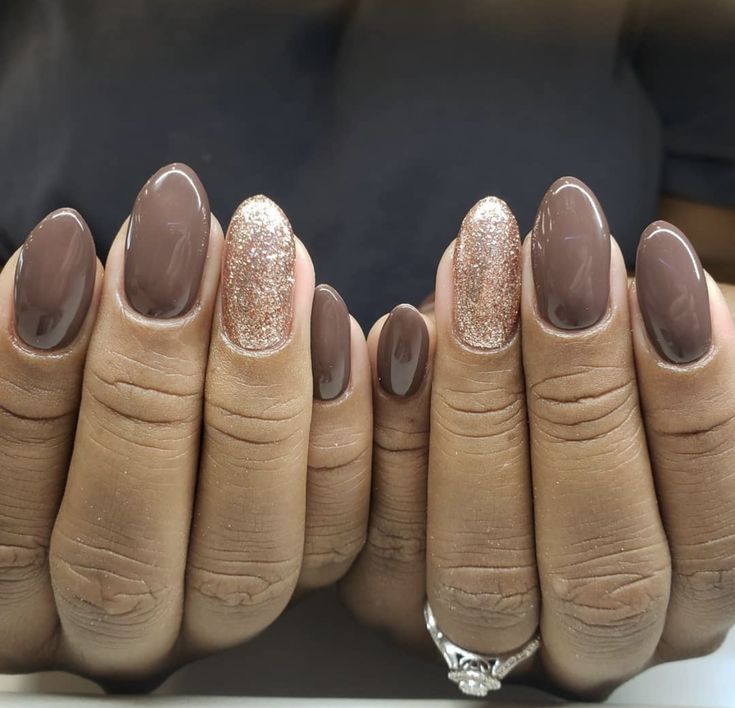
(375, 124)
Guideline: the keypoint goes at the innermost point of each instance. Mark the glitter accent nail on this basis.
(258, 275)
(487, 276)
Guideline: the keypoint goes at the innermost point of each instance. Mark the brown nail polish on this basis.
(330, 344)
(487, 276)
(403, 349)
(570, 254)
(258, 275)
(672, 294)
(166, 245)
(54, 281)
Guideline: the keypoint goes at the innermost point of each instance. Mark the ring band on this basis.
(476, 674)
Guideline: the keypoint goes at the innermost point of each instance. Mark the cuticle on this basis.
(701, 363)
(484, 350)
(57, 353)
(589, 331)
(338, 400)
(237, 349)
(164, 322)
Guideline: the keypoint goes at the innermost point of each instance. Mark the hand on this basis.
(580, 464)
(134, 545)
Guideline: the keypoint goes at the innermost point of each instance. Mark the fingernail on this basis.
(403, 349)
(258, 275)
(54, 281)
(487, 276)
(570, 255)
(330, 343)
(672, 294)
(166, 245)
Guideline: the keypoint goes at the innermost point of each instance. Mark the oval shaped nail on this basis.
(330, 343)
(166, 244)
(487, 275)
(403, 349)
(672, 294)
(570, 256)
(54, 281)
(258, 275)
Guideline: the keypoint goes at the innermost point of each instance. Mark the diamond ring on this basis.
(476, 674)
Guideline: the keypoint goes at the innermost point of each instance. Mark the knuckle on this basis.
(499, 597)
(257, 420)
(260, 587)
(611, 610)
(32, 414)
(21, 562)
(400, 438)
(104, 590)
(666, 652)
(488, 413)
(707, 591)
(139, 396)
(25, 398)
(340, 450)
(397, 546)
(706, 435)
(327, 553)
(585, 404)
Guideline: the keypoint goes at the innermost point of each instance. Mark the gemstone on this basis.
(474, 683)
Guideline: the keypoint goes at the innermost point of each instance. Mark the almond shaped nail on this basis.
(672, 294)
(54, 281)
(487, 276)
(570, 255)
(330, 344)
(167, 242)
(403, 349)
(258, 275)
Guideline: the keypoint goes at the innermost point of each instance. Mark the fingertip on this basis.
(215, 229)
(443, 292)
(374, 336)
(723, 329)
(358, 341)
(304, 283)
(7, 277)
(360, 379)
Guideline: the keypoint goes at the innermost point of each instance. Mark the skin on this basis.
(126, 569)
(130, 549)
(623, 562)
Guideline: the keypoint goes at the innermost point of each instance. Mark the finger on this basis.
(481, 582)
(602, 556)
(49, 292)
(248, 533)
(685, 356)
(340, 443)
(387, 585)
(427, 305)
(118, 548)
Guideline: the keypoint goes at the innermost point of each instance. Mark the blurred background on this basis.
(375, 124)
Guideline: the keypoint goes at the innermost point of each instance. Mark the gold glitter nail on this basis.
(258, 275)
(487, 275)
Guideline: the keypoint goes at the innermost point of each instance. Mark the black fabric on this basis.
(375, 124)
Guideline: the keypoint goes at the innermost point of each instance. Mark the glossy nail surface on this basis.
(487, 276)
(330, 343)
(54, 281)
(258, 275)
(403, 349)
(167, 241)
(570, 251)
(672, 294)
